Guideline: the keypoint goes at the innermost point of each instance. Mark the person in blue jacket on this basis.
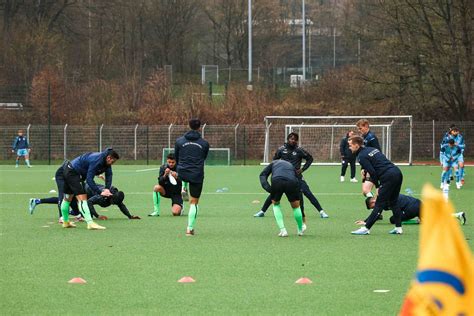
(22, 149)
(72, 176)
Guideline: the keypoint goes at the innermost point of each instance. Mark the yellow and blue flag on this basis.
(444, 282)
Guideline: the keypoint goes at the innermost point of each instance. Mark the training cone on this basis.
(186, 279)
(77, 281)
(303, 281)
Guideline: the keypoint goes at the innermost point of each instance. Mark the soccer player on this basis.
(285, 180)
(459, 141)
(370, 140)
(116, 198)
(22, 149)
(291, 152)
(191, 152)
(410, 208)
(450, 154)
(385, 176)
(71, 176)
(34, 202)
(347, 157)
(166, 189)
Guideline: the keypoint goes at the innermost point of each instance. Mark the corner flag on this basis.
(444, 281)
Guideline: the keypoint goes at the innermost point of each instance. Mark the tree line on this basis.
(109, 59)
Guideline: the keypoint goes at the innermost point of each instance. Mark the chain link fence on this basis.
(144, 144)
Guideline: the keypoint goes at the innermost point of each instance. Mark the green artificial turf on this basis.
(239, 264)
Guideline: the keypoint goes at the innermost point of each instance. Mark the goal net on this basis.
(321, 135)
(210, 73)
(215, 157)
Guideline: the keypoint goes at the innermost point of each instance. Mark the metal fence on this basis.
(142, 143)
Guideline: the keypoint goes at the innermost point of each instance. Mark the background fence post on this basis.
(434, 154)
(65, 141)
(147, 148)
(49, 123)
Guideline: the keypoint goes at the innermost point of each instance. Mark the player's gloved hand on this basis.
(103, 217)
(135, 217)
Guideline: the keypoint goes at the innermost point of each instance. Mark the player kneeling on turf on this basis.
(410, 208)
(169, 186)
(284, 180)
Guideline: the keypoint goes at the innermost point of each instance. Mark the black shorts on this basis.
(389, 190)
(175, 196)
(291, 189)
(195, 189)
(73, 183)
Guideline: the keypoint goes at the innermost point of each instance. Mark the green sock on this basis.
(193, 209)
(84, 209)
(185, 186)
(278, 216)
(156, 202)
(65, 210)
(298, 217)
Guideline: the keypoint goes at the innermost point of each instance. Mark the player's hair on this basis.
(293, 134)
(455, 129)
(362, 122)
(20, 131)
(118, 197)
(452, 126)
(367, 202)
(451, 141)
(194, 124)
(171, 156)
(356, 139)
(112, 153)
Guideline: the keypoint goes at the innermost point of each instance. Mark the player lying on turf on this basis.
(169, 186)
(116, 198)
(410, 208)
(284, 181)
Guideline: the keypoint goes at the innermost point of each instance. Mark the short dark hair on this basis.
(171, 156)
(357, 140)
(194, 123)
(451, 141)
(293, 134)
(455, 129)
(367, 202)
(112, 153)
(118, 197)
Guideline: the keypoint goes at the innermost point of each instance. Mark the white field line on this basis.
(205, 193)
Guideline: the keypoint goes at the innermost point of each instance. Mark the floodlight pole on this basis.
(250, 40)
(304, 42)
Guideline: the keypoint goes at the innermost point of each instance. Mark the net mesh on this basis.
(321, 136)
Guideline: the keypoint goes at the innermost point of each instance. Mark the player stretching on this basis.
(191, 152)
(284, 180)
(370, 140)
(386, 176)
(291, 152)
(72, 175)
(347, 157)
(165, 188)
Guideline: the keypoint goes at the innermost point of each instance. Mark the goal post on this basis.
(321, 135)
(209, 73)
(216, 156)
